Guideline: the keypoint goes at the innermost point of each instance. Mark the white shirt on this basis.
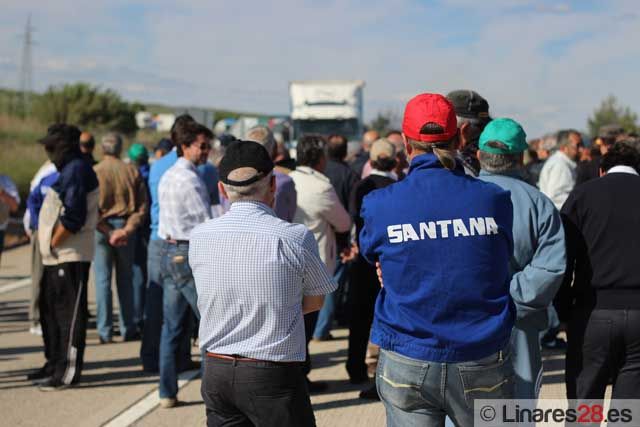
(320, 210)
(557, 178)
(183, 201)
(622, 169)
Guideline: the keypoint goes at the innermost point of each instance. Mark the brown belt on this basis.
(246, 359)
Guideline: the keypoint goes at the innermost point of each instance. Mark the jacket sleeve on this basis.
(74, 201)
(534, 288)
(285, 203)
(333, 211)
(367, 238)
(142, 204)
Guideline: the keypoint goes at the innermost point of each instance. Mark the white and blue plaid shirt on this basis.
(252, 271)
(183, 200)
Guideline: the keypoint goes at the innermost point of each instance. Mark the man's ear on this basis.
(463, 134)
(407, 147)
(222, 190)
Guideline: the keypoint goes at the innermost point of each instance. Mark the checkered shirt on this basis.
(183, 200)
(251, 271)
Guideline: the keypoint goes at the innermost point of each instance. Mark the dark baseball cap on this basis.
(60, 132)
(469, 104)
(429, 108)
(164, 144)
(245, 154)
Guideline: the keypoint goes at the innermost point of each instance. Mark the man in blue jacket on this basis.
(539, 257)
(444, 316)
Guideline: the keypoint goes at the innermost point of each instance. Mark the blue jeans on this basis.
(178, 300)
(325, 316)
(152, 325)
(421, 393)
(105, 258)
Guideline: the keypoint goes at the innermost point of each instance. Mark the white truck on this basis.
(326, 107)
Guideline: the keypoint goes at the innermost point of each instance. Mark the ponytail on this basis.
(446, 157)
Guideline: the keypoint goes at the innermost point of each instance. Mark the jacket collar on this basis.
(306, 170)
(622, 169)
(430, 161)
(185, 164)
(513, 173)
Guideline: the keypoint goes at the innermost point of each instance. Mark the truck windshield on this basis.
(348, 128)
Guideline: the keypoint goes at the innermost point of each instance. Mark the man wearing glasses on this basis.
(184, 203)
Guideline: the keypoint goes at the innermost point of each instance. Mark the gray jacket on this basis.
(539, 255)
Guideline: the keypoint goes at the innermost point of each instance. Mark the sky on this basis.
(546, 64)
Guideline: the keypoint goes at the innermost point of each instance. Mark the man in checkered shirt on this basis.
(256, 276)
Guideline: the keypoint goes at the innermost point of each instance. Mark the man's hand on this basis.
(118, 237)
(379, 273)
(349, 254)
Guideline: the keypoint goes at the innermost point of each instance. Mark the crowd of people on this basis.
(453, 250)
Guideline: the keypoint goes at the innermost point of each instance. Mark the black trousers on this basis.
(245, 393)
(63, 315)
(603, 345)
(363, 292)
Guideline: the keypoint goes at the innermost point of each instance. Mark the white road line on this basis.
(15, 285)
(147, 404)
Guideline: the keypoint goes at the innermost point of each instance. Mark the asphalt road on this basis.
(115, 391)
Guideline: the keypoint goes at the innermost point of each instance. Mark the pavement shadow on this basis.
(323, 360)
(344, 403)
(10, 351)
(342, 386)
(118, 363)
(114, 376)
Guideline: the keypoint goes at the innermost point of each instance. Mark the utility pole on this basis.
(26, 70)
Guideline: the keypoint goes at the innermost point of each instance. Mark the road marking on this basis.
(15, 285)
(147, 404)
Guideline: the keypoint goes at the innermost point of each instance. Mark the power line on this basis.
(26, 70)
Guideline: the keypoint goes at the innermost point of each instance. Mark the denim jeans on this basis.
(325, 316)
(178, 300)
(139, 280)
(152, 325)
(421, 393)
(106, 257)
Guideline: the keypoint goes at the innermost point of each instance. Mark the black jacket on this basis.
(602, 222)
(343, 179)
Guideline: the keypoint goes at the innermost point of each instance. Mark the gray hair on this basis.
(255, 191)
(499, 163)
(262, 135)
(549, 142)
(111, 144)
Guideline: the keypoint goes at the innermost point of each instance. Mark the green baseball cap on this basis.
(138, 152)
(506, 131)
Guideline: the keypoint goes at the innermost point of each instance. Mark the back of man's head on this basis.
(263, 136)
(310, 150)
(337, 147)
(111, 144)
(620, 154)
(369, 138)
(178, 123)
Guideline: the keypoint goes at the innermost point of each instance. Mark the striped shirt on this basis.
(252, 270)
(183, 200)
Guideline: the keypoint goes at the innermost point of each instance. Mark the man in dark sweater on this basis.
(364, 285)
(343, 179)
(603, 304)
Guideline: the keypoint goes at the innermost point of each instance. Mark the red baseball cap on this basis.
(429, 108)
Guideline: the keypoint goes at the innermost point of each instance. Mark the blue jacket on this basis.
(444, 241)
(36, 198)
(539, 255)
